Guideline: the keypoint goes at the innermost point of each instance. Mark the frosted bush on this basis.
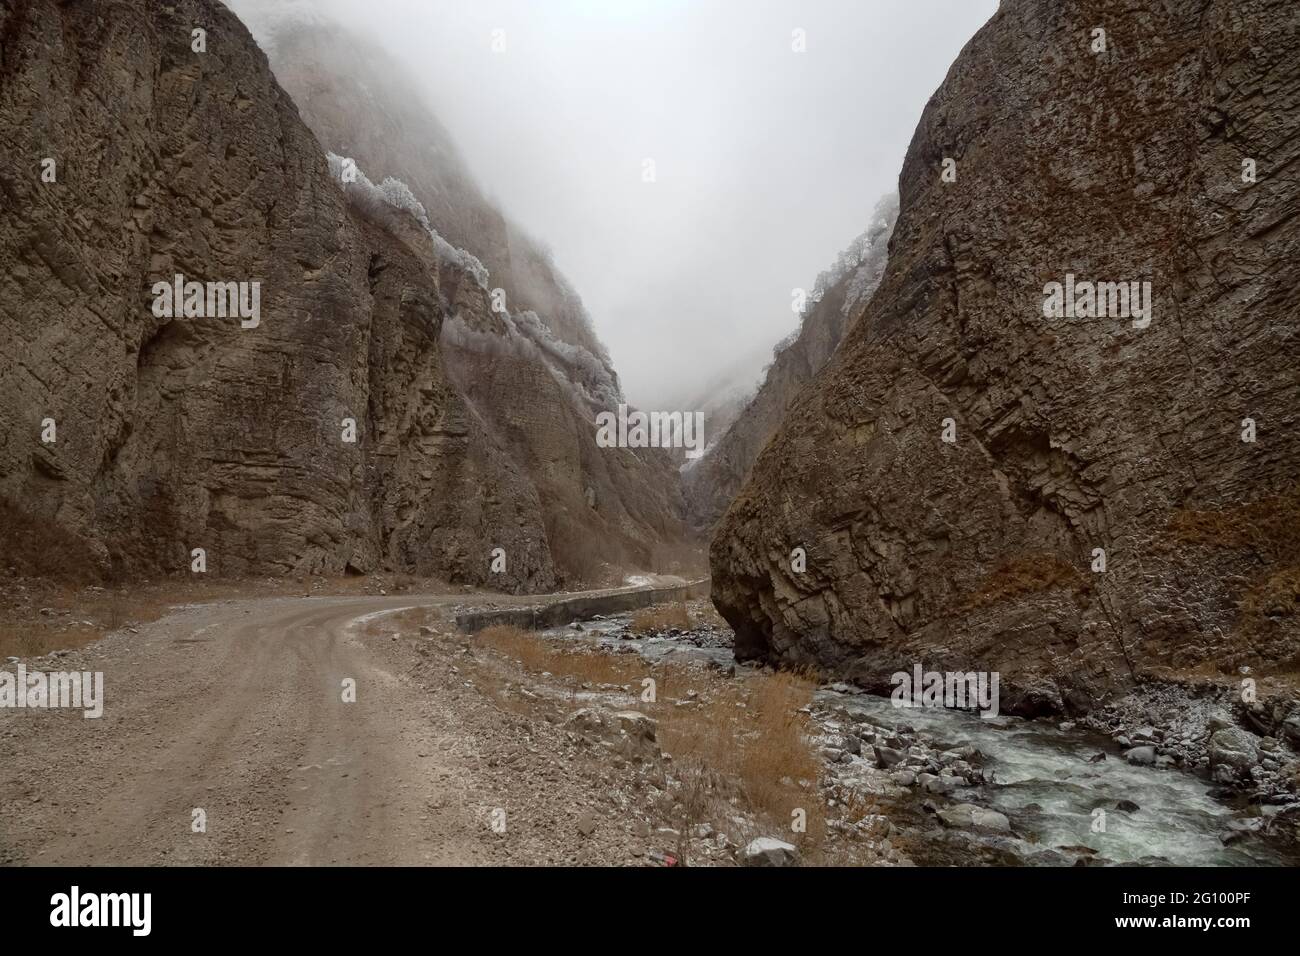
(860, 265)
(393, 194)
(866, 257)
(586, 374)
(398, 195)
(514, 344)
(586, 368)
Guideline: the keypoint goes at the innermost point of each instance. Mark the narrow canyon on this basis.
(995, 562)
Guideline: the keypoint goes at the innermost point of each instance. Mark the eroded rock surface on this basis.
(183, 433)
(1071, 434)
(532, 369)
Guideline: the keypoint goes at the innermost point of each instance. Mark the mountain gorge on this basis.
(361, 423)
(326, 538)
(1072, 502)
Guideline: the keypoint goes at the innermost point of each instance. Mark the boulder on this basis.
(1218, 719)
(1291, 727)
(769, 851)
(585, 720)
(944, 783)
(637, 724)
(1233, 748)
(887, 757)
(968, 815)
(1144, 756)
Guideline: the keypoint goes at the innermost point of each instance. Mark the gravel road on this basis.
(237, 709)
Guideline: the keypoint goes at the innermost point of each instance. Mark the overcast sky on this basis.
(767, 162)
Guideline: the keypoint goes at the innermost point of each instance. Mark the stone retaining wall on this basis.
(558, 613)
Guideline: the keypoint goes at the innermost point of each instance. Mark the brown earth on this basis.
(236, 708)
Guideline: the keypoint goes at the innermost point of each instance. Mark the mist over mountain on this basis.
(746, 419)
(518, 342)
(420, 386)
(760, 175)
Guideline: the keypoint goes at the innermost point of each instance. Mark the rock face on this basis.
(532, 370)
(181, 433)
(713, 482)
(1071, 434)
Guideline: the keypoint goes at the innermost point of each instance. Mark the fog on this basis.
(766, 161)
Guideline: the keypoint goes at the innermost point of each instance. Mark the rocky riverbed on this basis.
(1166, 775)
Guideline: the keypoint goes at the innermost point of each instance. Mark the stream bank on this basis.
(964, 790)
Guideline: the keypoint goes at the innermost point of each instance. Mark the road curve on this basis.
(236, 709)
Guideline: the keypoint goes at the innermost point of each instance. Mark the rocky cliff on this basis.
(839, 295)
(321, 434)
(530, 365)
(1162, 150)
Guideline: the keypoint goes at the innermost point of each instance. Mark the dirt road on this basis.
(237, 709)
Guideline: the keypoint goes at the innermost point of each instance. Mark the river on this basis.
(1043, 777)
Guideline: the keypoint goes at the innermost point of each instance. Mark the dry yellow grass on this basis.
(18, 641)
(661, 617)
(1026, 575)
(1278, 595)
(759, 752)
(1269, 598)
(742, 742)
(703, 612)
(537, 654)
(1267, 527)
(90, 614)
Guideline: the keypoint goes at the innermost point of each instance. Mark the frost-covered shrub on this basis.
(870, 269)
(456, 333)
(865, 257)
(581, 365)
(379, 202)
(588, 376)
(861, 266)
(398, 195)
